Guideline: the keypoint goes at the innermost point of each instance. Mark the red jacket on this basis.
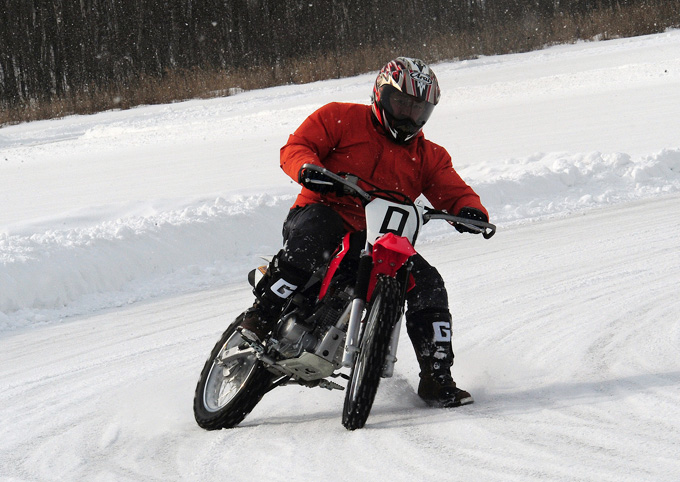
(343, 138)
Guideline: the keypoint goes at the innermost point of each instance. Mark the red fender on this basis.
(390, 252)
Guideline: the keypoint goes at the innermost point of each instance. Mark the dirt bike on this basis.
(348, 316)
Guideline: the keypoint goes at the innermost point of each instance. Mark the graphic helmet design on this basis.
(404, 95)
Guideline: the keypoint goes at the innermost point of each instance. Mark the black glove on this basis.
(316, 181)
(470, 213)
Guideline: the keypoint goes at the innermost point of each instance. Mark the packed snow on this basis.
(125, 238)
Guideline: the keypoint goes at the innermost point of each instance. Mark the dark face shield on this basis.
(406, 113)
(403, 106)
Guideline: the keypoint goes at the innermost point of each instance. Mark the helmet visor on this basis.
(403, 107)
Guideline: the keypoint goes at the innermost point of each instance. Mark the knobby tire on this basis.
(256, 383)
(381, 316)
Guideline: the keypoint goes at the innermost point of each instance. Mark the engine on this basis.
(296, 335)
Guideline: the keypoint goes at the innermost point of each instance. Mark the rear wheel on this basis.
(232, 382)
(381, 316)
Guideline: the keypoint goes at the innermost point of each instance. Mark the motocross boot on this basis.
(271, 293)
(430, 333)
(439, 390)
(256, 324)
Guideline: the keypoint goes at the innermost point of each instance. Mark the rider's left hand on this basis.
(470, 213)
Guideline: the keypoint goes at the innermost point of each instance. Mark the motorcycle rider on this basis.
(383, 144)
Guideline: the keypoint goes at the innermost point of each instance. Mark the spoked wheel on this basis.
(232, 382)
(365, 375)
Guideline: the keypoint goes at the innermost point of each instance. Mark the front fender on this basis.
(390, 252)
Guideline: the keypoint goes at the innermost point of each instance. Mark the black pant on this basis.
(313, 232)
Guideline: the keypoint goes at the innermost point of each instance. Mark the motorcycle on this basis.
(346, 318)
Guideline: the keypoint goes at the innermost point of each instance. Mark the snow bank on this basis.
(74, 271)
(60, 273)
(558, 183)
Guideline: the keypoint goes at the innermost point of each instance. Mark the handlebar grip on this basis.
(349, 183)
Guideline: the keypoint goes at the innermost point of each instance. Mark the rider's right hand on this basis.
(316, 181)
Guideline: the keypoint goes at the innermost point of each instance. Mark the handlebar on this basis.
(350, 187)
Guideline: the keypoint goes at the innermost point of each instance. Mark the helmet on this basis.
(404, 95)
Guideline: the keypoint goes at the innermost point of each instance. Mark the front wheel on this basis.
(383, 312)
(232, 382)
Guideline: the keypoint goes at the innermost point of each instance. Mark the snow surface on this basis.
(125, 238)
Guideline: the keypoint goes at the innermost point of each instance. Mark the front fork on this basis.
(357, 311)
(353, 341)
(391, 358)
